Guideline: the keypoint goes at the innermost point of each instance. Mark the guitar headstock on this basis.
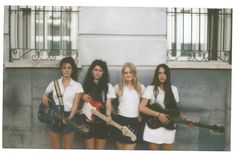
(127, 132)
(218, 128)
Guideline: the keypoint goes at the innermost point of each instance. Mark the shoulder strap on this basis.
(58, 91)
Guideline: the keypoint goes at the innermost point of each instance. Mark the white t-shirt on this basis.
(129, 102)
(111, 92)
(160, 135)
(68, 94)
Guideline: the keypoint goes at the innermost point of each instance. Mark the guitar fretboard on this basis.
(103, 117)
(202, 125)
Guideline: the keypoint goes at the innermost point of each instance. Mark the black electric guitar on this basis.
(154, 122)
(47, 114)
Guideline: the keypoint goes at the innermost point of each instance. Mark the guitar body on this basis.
(92, 107)
(88, 106)
(53, 114)
(44, 113)
(154, 122)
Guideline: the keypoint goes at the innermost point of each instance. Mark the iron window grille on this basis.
(199, 35)
(43, 32)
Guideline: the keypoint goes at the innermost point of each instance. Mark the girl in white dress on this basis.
(160, 91)
(129, 92)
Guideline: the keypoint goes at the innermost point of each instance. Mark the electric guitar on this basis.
(91, 107)
(154, 122)
(48, 114)
(83, 128)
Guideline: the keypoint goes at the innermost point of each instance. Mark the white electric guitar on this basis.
(91, 107)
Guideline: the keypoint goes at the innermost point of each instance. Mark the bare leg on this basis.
(101, 143)
(90, 143)
(167, 147)
(68, 140)
(130, 146)
(55, 139)
(120, 146)
(153, 146)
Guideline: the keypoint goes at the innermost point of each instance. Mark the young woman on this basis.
(129, 92)
(71, 93)
(96, 87)
(160, 91)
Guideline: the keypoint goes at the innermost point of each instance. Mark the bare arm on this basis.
(185, 118)
(144, 109)
(45, 100)
(75, 105)
(108, 107)
(86, 97)
(181, 116)
(108, 110)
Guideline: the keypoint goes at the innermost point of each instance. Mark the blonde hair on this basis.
(135, 81)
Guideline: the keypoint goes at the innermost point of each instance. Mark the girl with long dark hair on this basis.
(97, 87)
(160, 91)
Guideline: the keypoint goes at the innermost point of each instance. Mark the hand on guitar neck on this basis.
(174, 117)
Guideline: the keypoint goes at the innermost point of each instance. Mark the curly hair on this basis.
(70, 61)
(103, 81)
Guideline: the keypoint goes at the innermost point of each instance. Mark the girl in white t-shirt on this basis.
(71, 92)
(129, 92)
(160, 91)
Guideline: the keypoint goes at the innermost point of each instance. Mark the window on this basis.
(43, 33)
(197, 34)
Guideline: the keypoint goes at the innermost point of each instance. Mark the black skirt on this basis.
(132, 123)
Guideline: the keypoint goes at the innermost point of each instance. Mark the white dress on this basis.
(160, 135)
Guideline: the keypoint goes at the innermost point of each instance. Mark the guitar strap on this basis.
(59, 97)
(58, 92)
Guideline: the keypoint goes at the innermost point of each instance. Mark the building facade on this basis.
(195, 43)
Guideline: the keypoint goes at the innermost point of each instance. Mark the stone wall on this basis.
(205, 96)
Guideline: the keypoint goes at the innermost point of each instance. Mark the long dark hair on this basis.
(169, 99)
(71, 61)
(103, 81)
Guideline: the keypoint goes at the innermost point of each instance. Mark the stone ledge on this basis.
(172, 65)
(33, 64)
(199, 65)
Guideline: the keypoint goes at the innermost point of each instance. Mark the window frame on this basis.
(176, 35)
(31, 52)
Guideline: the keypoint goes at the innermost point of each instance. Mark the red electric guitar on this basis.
(91, 108)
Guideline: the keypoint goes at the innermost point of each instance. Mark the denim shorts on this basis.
(56, 125)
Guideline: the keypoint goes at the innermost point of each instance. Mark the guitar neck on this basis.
(197, 124)
(105, 118)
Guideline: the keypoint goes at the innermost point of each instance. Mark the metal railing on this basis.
(199, 35)
(42, 33)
